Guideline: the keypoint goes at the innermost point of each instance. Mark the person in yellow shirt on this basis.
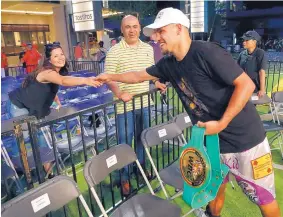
(128, 55)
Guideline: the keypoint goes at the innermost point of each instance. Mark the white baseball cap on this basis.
(165, 17)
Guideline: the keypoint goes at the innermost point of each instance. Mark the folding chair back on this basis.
(77, 93)
(49, 196)
(183, 121)
(260, 101)
(153, 136)
(100, 166)
(277, 97)
(4, 97)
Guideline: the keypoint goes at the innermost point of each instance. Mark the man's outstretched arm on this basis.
(128, 77)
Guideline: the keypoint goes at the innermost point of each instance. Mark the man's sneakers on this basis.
(200, 213)
(208, 212)
(204, 213)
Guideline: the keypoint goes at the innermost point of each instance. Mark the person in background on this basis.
(21, 61)
(101, 53)
(79, 55)
(31, 58)
(113, 42)
(254, 61)
(157, 56)
(4, 63)
(39, 89)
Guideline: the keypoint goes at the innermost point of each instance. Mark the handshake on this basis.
(98, 81)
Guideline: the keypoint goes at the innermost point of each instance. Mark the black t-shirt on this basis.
(36, 97)
(252, 64)
(204, 83)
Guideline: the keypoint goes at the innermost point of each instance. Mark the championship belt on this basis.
(201, 168)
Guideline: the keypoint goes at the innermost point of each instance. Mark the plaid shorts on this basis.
(253, 171)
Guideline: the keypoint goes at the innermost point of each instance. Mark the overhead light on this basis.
(27, 12)
(111, 14)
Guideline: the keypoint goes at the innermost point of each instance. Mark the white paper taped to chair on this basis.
(111, 161)
(40, 202)
(255, 98)
(187, 119)
(162, 133)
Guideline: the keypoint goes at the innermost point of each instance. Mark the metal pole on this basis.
(68, 11)
(21, 143)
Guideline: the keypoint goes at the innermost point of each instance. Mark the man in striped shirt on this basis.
(128, 55)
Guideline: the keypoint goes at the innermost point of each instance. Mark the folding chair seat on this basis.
(277, 99)
(23, 76)
(8, 171)
(8, 79)
(61, 125)
(106, 97)
(77, 146)
(7, 88)
(46, 152)
(82, 71)
(271, 122)
(276, 125)
(4, 97)
(165, 108)
(98, 90)
(146, 205)
(3, 108)
(76, 96)
(5, 116)
(65, 88)
(47, 197)
(90, 74)
(87, 104)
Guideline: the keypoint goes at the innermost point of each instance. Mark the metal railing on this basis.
(274, 71)
(70, 159)
(274, 76)
(20, 70)
(91, 66)
(74, 66)
(79, 131)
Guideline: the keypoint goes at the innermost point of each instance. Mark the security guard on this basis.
(253, 61)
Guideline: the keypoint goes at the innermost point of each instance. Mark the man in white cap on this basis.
(215, 92)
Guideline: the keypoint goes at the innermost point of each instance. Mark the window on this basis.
(2, 40)
(9, 38)
(48, 37)
(25, 37)
(40, 36)
(17, 38)
(34, 38)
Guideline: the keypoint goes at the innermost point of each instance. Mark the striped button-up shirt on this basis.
(122, 58)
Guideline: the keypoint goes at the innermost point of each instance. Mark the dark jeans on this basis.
(142, 122)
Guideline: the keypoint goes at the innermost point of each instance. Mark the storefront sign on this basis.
(83, 15)
(199, 16)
